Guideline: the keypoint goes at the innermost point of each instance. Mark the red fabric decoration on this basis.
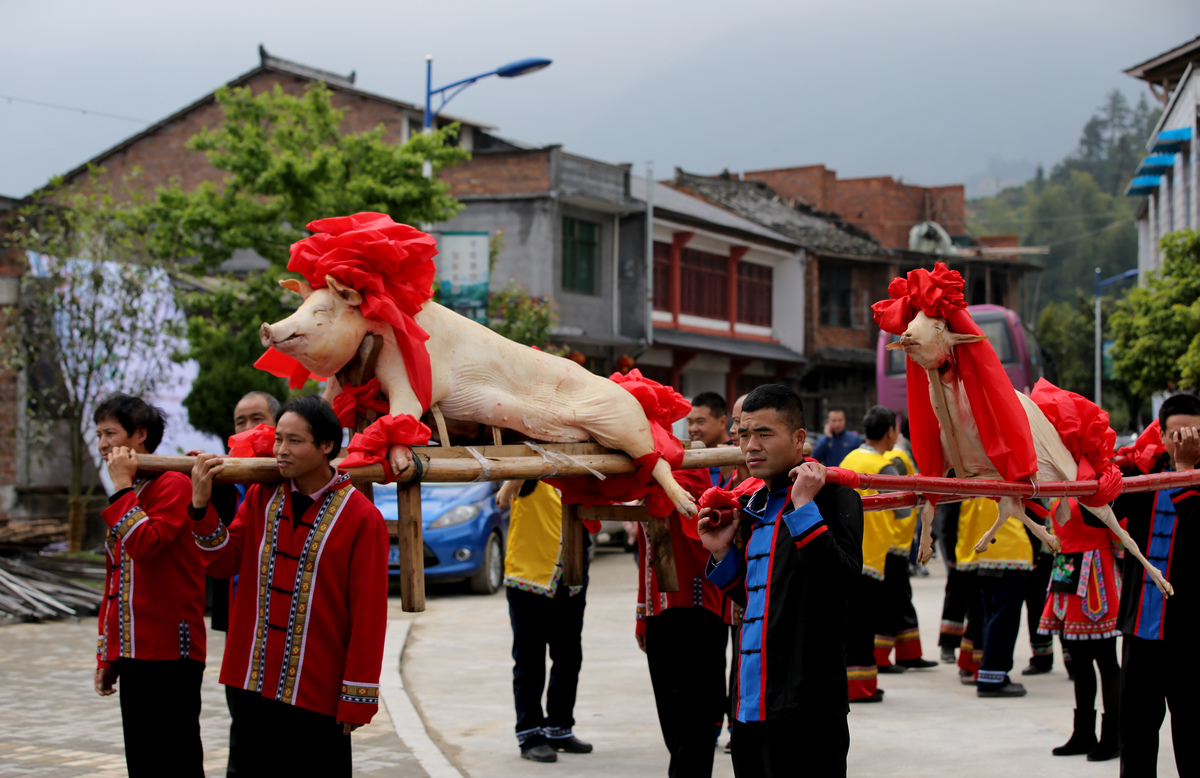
(721, 501)
(390, 265)
(281, 365)
(1145, 451)
(371, 445)
(994, 402)
(663, 407)
(843, 477)
(1085, 431)
(355, 399)
(257, 442)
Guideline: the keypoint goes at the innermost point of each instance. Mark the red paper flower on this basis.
(257, 442)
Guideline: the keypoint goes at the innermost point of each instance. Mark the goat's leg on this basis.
(937, 397)
(1106, 515)
(1012, 506)
(682, 500)
(926, 551)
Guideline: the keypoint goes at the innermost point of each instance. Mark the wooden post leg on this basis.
(572, 545)
(412, 548)
(664, 554)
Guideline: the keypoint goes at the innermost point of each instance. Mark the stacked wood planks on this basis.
(29, 594)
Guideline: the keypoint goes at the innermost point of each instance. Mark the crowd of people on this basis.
(812, 594)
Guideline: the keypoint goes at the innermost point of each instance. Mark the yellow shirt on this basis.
(878, 526)
(533, 560)
(1012, 549)
(905, 526)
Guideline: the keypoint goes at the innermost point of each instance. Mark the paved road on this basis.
(457, 671)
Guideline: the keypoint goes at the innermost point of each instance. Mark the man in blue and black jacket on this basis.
(789, 556)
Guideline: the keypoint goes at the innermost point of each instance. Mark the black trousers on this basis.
(685, 651)
(1001, 597)
(1041, 647)
(538, 623)
(813, 744)
(160, 716)
(897, 612)
(278, 739)
(954, 602)
(862, 620)
(1151, 680)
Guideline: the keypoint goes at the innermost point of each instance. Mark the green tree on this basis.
(1157, 326)
(522, 317)
(93, 319)
(287, 163)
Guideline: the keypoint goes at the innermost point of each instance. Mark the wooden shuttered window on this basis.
(704, 280)
(580, 249)
(754, 294)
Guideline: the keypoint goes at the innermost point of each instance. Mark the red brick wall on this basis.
(813, 184)
(874, 278)
(507, 172)
(884, 207)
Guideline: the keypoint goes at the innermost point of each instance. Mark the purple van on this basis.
(1017, 349)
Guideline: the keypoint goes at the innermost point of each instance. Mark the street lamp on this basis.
(513, 69)
(1100, 284)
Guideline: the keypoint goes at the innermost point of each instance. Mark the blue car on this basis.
(465, 533)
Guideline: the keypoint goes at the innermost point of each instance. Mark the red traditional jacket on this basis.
(153, 604)
(308, 623)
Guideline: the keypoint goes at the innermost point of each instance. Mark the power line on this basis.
(84, 111)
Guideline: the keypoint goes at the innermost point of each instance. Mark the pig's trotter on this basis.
(682, 500)
(926, 552)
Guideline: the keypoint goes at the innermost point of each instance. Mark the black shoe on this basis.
(1035, 669)
(729, 746)
(1109, 746)
(1009, 689)
(1083, 736)
(876, 697)
(920, 663)
(948, 656)
(539, 753)
(570, 744)
(893, 669)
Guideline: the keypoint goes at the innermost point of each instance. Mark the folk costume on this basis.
(1160, 634)
(544, 612)
(686, 633)
(897, 628)
(152, 623)
(1081, 607)
(306, 634)
(791, 572)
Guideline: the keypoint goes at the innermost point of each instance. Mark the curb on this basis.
(405, 719)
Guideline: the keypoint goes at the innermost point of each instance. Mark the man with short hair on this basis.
(253, 409)
(305, 641)
(1160, 633)
(837, 442)
(706, 424)
(800, 550)
(152, 616)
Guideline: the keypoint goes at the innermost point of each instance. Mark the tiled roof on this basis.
(759, 203)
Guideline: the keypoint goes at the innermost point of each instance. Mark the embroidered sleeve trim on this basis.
(365, 693)
(128, 523)
(214, 540)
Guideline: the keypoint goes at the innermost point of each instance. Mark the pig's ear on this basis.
(348, 295)
(297, 286)
(957, 339)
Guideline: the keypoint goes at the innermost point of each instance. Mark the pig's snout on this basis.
(264, 334)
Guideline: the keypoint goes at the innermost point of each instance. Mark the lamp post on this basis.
(1100, 284)
(521, 67)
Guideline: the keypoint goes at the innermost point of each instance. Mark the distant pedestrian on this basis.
(837, 442)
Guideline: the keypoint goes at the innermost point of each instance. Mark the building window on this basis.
(580, 247)
(662, 276)
(704, 283)
(835, 295)
(754, 294)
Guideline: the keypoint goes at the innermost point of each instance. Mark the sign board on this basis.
(1106, 361)
(463, 273)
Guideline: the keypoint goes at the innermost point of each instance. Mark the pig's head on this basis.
(325, 331)
(928, 341)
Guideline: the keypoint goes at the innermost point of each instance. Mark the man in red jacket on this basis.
(152, 616)
(306, 635)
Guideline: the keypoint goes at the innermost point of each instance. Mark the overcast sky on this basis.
(926, 91)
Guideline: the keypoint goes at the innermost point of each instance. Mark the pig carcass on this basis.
(477, 375)
(930, 344)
